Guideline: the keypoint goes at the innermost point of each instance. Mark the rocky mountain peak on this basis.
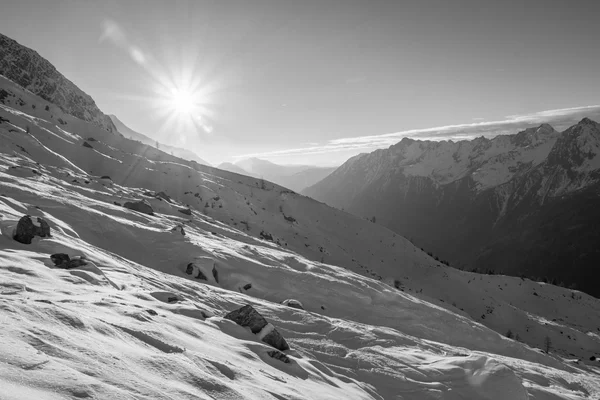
(30, 70)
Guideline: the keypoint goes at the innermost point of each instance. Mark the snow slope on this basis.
(108, 329)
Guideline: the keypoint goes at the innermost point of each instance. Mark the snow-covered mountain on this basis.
(176, 151)
(36, 74)
(380, 320)
(295, 177)
(520, 204)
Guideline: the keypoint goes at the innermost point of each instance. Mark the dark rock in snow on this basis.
(116, 203)
(293, 303)
(26, 230)
(140, 206)
(185, 211)
(215, 273)
(178, 228)
(275, 339)
(44, 227)
(192, 269)
(247, 286)
(248, 316)
(76, 262)
(60, 258)
(105, 177)
(86, 144)
(279, 356)
(63, 260)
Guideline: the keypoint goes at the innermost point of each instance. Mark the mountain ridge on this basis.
(481, 190)
(29, 69)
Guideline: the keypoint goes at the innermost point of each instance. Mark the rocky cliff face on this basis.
(515, 204)
(36, 74)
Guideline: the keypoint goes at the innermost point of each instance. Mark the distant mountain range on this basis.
(295, 177)
(523, 204)
(176, 151)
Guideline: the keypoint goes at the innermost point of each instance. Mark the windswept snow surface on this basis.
(131, 324)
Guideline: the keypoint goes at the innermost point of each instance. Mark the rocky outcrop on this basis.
(86, 144)
(26, 230)
(36, 74)
(140, 206)
(247, 316)
(185, 211)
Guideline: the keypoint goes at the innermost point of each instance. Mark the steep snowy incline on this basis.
(126, 329)
(133, 323)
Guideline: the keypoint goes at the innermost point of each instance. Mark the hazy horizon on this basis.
(317, 82)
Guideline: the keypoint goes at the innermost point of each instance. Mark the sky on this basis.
(318, 81)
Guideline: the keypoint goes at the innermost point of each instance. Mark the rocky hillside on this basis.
(36, 74)
(519, 204)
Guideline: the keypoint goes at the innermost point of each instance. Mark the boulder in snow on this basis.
(248, 316)
(26, 230)
(63, 260)
(178, 228)
(195, 271)
(185, 211)
(44, 227)
(60, 258)
(293, 303)
(140, 206)
(86, 144)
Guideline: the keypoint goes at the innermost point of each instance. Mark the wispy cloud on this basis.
(559, 118)
(112, 32)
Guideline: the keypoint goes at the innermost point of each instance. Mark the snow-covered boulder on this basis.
(195, 271)
(140, 206)
(247, 316)
(202, 267)
(293, 303)
(178, 229)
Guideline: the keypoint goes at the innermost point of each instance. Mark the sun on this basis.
(182, 101)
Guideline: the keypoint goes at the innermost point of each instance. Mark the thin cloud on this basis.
(113, 33)
(559, 118)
